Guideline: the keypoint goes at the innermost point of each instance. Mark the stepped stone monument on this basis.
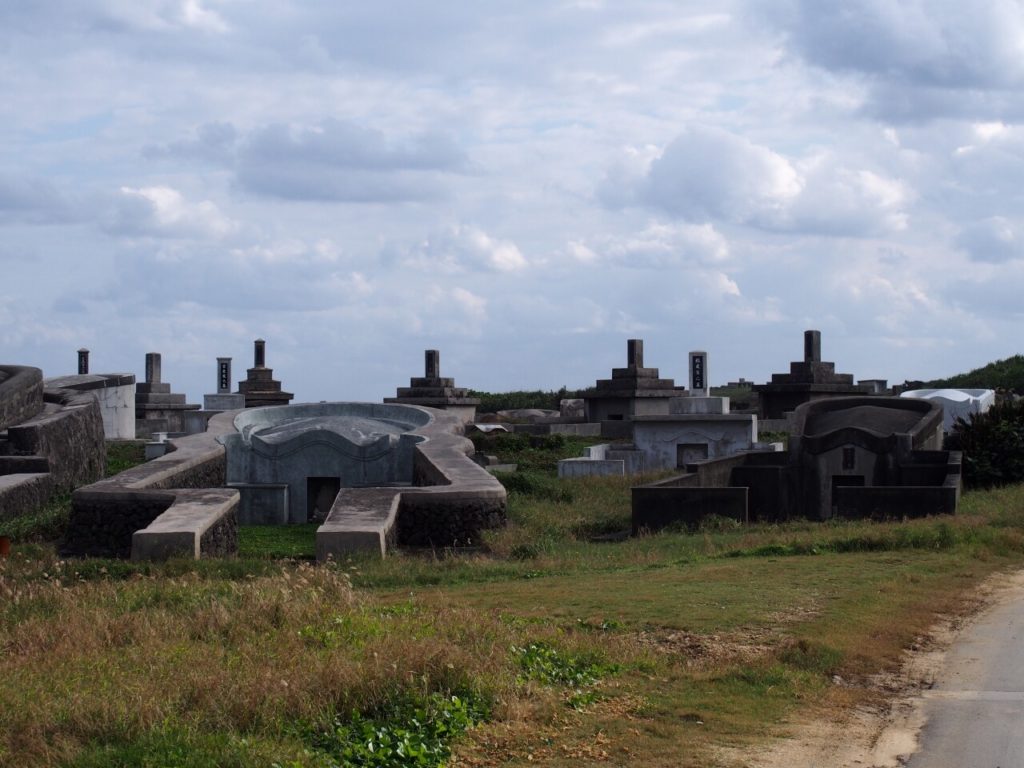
(631, 391)
(806, 381)
(157, 409)
(260, 387)
(435, 391)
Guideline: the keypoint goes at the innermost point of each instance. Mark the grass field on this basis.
(557, 644)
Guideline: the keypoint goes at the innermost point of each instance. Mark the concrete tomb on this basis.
(289, 463)
(435, 391)
(157, 409)
(371, 474)
(260, 388)
(810, 379)
(853, 457)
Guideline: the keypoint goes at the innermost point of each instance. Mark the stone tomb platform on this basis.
(415, 484)
(172, 506)
(372, 474)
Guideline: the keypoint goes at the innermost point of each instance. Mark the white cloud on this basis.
(923, 58)
(462, 248)
(659, 246)
(711, 175)
(162, 211)
(995, 239)
(359, 181)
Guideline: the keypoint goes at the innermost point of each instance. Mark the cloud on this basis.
(658, 247)
(341, 161)
(922, 58)
(460, 248)
(213, 142)
(709, 174)
(30, 200)
(117, 15)
(995, 240)
(162, 211)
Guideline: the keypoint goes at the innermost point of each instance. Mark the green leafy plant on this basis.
(993, 445)
(546, 664)
(410, 732)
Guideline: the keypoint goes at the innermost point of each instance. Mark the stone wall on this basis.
(441, 521)
(70, 438)
(656, 507)
(221, 538)
(57, 449)
(23, 493)
(21, 394)
(457, 499)
(106, 514)
(102, 526)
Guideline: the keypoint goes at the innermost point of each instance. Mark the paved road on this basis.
(975, 712)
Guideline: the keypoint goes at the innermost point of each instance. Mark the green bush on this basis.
(992, 444)
(410, 732)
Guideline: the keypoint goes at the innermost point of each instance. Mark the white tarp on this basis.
(956, 403)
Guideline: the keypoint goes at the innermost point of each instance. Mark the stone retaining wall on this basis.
(106, 514)
(23, 493)
(455, 499)
(70, 437)
(21, 394)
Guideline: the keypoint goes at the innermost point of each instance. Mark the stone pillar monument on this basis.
(83, 361)
(700, 383)
(635, 353)
(812, 346)
(153, 368)
(223, 400)
(432, 366)
(223, 375)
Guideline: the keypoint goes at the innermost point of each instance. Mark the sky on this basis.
(521, 185)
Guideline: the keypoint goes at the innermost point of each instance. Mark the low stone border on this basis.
(106, 515)
(199, 523)
(453, 501)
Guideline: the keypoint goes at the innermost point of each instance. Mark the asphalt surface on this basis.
(975, 711)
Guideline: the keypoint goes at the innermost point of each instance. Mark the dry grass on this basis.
(720, 637)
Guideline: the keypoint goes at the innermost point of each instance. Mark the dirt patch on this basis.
(697, 651)
(883, 735)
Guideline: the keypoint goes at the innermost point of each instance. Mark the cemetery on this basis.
(402, 473)
(461, 549)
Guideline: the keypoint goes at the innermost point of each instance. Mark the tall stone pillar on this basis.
(432, 367)
(812, 346)
(152, 367)
(635, 353)
(83, 361)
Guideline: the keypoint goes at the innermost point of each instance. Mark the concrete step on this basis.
(15, 465)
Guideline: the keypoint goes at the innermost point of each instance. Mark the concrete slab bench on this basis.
(202, 522)
(360, 520)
